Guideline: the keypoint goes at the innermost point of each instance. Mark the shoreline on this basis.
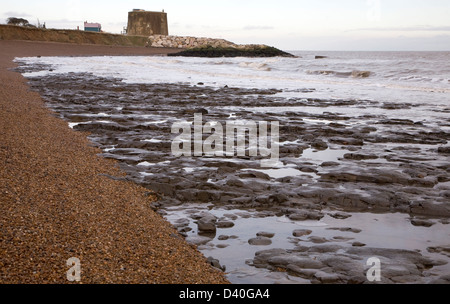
(57, 202)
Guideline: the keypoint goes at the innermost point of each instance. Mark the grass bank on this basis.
(12, 32)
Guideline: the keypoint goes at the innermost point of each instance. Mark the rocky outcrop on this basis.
(210, 47)
(207, 223)
(184, 42)
(321, 264)
(241, 51)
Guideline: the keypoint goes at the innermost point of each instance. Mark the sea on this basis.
(421, 79)
(383, 76)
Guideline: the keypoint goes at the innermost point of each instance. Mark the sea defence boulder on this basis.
(184, 42)
(210, 47)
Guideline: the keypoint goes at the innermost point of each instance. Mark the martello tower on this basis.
(146, 23)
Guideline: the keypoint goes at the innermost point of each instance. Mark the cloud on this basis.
(16, 14)
(257, 28)
(64, 20)
(418, 28)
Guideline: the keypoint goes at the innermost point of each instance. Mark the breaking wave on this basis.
(256, 66)
(354, 73)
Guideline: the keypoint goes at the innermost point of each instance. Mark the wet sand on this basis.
(60, 200)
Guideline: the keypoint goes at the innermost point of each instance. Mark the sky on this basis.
(327, 25)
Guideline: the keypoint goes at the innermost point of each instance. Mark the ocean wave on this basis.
(417, 78)
(361, 74)
(222, 62)
(256, 66)
(353, 74)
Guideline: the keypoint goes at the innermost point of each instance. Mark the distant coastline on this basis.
(13, 32)
(189, 46)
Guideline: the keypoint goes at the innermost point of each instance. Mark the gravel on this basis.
(58, 201)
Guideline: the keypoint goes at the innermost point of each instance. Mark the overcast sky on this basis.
(291, 25)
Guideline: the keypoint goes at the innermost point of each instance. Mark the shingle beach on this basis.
(58, 200)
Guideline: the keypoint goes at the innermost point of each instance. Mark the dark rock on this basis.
(224, 224)
(266, 234)
(302, 272)
(260, 241)
(340, 215)
(422, 222)
(207, 223)
(299, 261)
(356, 156)
(308, 169)
(319, 144)
(444, 150)
(186, 195)
(306, 215)
(329, 164)
(445, 194)
(327, 278)
(184, 230)
(215, 263)
(346, 229)
(249, 51)
(338, 264)
(234, 182)
(181, 223)
(358, 244)
(396, 122)
(244, 200)
(324, 248)
(444, 250)
(198, 240)
(317, 239)
(231, 216)
(375, 176)
(162, 188)
(256, 185)
(222, 245)
(342, 238)
(263, 199)
(254, 174)
(278, 198)
(301, 232)
(445, 279)
(207, 196)
(347, 141)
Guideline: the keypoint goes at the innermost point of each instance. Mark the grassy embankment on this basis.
(12, 32)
